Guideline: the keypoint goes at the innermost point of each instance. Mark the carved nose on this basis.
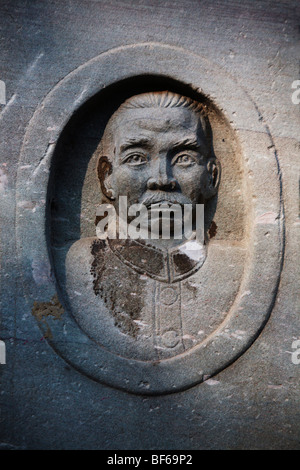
(162, 182)
(161, 178)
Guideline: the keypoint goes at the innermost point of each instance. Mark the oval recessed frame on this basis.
(254, 302)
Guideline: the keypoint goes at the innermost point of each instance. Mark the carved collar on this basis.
(162, 265)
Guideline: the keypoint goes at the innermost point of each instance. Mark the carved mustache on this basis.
(161, 196)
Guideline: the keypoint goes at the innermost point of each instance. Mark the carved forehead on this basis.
(155, 122)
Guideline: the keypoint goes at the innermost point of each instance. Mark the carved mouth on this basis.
(167, 199)
(161, 205)
(158, 205)
(162, 211)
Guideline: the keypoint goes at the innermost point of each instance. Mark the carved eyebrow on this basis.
(189, 143)
(132, 143)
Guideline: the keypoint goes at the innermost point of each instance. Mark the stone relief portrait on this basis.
(150, 314)
(149, 222)
(157, 298)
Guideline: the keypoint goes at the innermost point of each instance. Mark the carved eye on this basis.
(184, 160)
(136, 159)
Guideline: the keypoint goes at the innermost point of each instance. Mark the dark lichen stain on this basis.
(183, 263)
(120, 288)
(42, 310)
(141, 257)
(191, 288)
(104, 169)
(213, 229)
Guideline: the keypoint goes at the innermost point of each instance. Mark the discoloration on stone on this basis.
(123, 299)
(104, 169)
(213, 229)
(183, 263)
(267, 218)
(42, 310)
(31, 205)
(41, 272)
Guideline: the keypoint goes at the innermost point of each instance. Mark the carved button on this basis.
(168, 296)
(170, 339)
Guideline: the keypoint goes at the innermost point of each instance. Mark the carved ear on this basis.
(104, 171)
(214, 170)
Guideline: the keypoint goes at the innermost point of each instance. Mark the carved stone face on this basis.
(158, 155)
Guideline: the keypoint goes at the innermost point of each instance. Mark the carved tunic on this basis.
(147, 304)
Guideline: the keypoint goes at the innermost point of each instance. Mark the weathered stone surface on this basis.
(62, 84)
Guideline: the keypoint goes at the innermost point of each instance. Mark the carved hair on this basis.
(159, 99)
(167, 99)
(162, 99)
